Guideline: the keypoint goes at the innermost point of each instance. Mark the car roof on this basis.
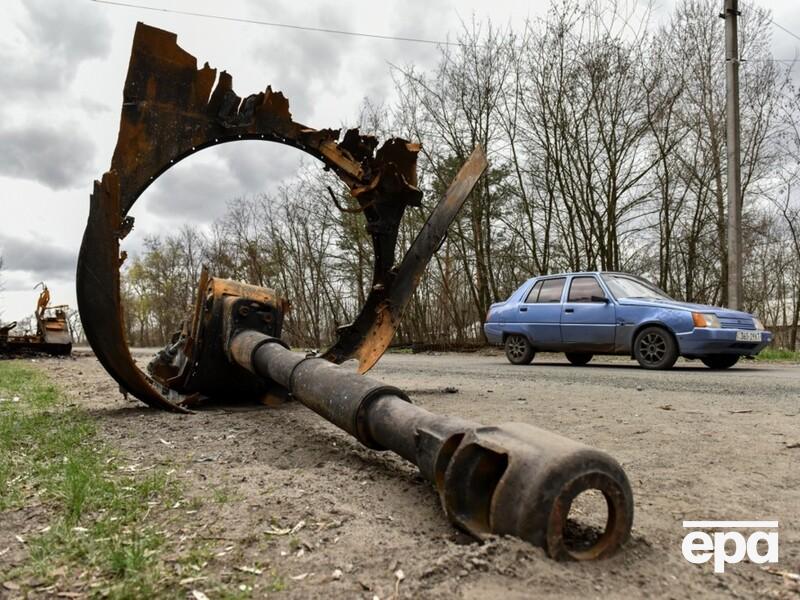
(586, 273)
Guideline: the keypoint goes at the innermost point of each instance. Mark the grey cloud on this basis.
(313, 67)
(57, 158)
(199, 189)
(192, 193)
(305, 64)
(40, 259)
(257, 166)
(13, 281)
(58, 36)
(93, 107)
(310, 67)
(76, 30)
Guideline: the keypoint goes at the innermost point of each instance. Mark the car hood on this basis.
(675, 304)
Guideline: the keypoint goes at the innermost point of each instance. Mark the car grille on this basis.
(736, 323)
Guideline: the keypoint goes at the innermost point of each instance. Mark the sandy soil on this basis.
(696, 444)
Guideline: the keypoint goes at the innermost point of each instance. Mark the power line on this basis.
(280, 25)
(791, 33)
(340, 31)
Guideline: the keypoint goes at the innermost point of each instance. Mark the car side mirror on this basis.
(602, 299)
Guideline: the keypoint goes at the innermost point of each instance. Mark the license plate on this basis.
(748, 336)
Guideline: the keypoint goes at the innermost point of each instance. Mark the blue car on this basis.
(583, 314)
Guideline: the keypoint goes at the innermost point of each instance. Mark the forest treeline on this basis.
(606, 140)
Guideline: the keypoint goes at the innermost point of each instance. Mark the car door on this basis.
(588, 317)
(540, 312)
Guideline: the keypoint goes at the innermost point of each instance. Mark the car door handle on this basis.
(569, 310)
(523, 309)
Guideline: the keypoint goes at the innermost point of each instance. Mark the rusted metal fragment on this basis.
(99, 295)
(372, 332)
(198, 362)
(172, 109)
(169, 112)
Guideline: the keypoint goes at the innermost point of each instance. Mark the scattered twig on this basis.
(398, 577)
(779, 573)
(287, 531)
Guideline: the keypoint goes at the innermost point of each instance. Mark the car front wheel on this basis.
(720, 361)
(655, 348)
(519, 350)
(578, 358)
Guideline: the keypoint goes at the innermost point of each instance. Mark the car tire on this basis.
(519, 350)
(655, 348)
(720, 361)
(579, 358)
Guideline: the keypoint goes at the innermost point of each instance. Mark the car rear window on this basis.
(534, 294)
(551, 290)
(583, 288)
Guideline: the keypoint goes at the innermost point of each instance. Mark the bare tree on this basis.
(450, 111)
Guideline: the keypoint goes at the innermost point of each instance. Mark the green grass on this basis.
(276, 582)
(50, 453)
(399, 350)
(778, 355)
(224, 495)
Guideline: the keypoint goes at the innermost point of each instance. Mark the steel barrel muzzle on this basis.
(511, 479)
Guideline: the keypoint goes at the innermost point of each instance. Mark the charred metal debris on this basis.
(52, 336)
(508, 479)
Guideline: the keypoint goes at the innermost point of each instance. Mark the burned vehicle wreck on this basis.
(511, 479)
(52, 336)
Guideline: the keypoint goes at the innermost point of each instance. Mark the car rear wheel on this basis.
(578, 358)
(720, 361)
(655, 348)
(519, 350)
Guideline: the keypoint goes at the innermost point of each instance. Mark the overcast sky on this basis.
(63, 64)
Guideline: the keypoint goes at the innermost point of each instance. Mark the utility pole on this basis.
(731, 15)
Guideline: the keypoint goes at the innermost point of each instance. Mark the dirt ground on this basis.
(696, 445)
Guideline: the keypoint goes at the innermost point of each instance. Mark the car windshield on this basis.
(625, 287)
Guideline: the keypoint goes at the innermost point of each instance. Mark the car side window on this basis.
(584, 289)
(534, 294)
(551, 290)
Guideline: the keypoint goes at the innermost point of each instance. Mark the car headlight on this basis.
(759, 325)
(705, 320)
